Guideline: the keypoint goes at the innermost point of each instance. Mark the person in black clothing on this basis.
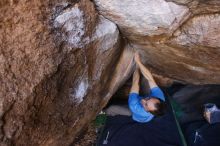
(206, 132)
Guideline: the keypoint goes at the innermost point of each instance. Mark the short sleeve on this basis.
(138, 112)
(134, 102)
(133, 98)
(157, 92)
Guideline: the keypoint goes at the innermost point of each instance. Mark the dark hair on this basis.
(160, 108)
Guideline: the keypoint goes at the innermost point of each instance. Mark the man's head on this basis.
(154, 105)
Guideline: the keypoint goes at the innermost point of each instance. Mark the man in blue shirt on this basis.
(145, 108)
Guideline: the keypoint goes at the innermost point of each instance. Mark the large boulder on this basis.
(144, 17)
(56, 60)
(177, 38)
(61, 62)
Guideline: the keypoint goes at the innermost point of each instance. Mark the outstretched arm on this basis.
(134, 98)
(146, 73)
(135, 81)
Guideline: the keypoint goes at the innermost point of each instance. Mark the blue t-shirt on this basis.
(138, 112)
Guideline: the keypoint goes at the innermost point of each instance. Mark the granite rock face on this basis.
(177, 38)
(61, 61)
(144, 17)
(56, 60)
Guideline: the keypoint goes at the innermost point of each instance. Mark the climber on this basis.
(143, 109)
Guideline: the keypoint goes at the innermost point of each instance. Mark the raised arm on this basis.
(134, 98)
(135, 81)
(146, 73)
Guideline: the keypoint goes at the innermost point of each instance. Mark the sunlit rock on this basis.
(61, 61)
(201, 30)
(144, 17)
(174, 37)
(72, 22)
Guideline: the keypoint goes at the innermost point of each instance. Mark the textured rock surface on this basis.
(56, 59)
(61, 62)
(144, 17)
(177, 38)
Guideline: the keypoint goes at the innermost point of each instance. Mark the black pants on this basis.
(201, 133)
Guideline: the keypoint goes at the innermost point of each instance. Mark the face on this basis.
(149, 104)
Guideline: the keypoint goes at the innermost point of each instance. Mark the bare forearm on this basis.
(147, 74)
(152, 83)
(135, 81)
(145, 71)
(135, 87)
